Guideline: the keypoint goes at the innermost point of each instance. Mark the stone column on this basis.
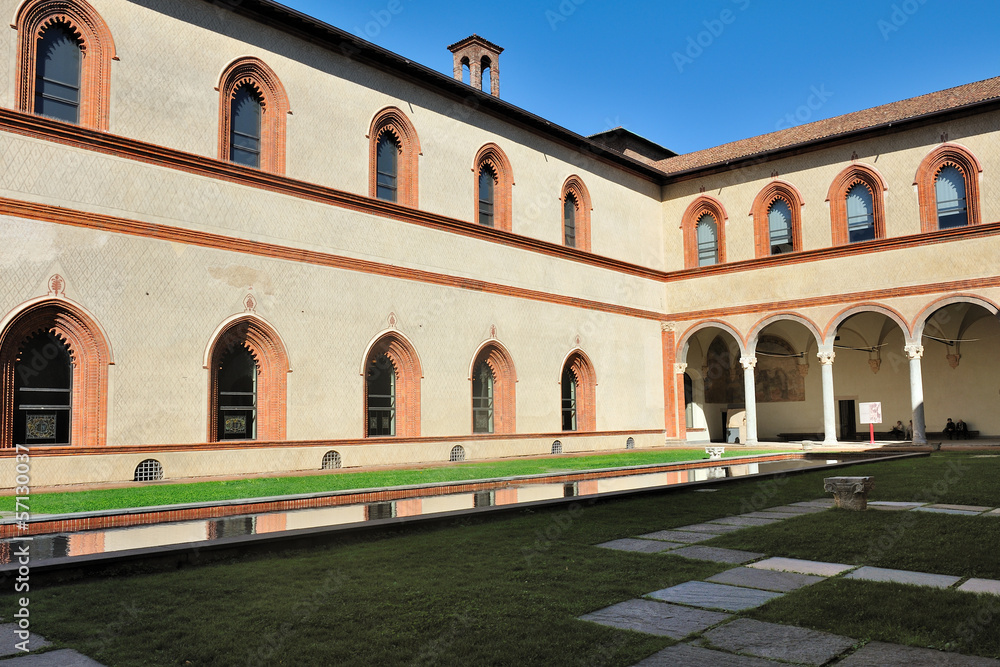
(749, 362)
(829, 402)
(915, 353)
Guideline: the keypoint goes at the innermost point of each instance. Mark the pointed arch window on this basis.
(948, 188)
(777, 220)
(246, 109)
(43, 398)
(493, 188)
(487, 185)
(578, 390)
(576, 209)
(570, 207)
(857, 209)
(860, 214)
(568, 400)
(704, 233)
(708, 241)
(57, 81)
(482, 399)
(237, 397)
(380, 383)
(387, 168)
(64, 62)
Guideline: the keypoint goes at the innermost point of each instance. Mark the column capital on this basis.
(680, 368)
(826, 358)
(748, 361)
(914, 351)
(669, 327)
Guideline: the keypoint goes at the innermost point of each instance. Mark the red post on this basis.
(871, 428)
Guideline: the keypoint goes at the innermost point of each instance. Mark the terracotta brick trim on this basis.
(92, 34)
(689, 223)
(575, 189)
(945, 155)
(582, 369)
(493, 156)
(274, 112)
(393, 121)
(264, 344)
(772, 192)
(406, 365)
(90, 355)
(495, 355)
(837, 197)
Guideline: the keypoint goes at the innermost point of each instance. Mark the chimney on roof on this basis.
(481, 57)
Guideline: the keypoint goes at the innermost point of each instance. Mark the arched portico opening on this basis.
(714, 374)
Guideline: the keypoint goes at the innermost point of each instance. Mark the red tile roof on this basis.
(952, 98)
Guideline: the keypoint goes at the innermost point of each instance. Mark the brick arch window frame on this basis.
(396, 123)
(954, 155)
(275, 107)
(90, 355)
(769, 194)
(495, 355)
(689, 224)
(493, 156)
(407, 367)
(271, 359)
(575, 187)
(96, 44)
(853, 175)
(582, 369)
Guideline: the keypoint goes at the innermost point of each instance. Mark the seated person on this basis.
(949, 429)
(961, 430)
(897, 432)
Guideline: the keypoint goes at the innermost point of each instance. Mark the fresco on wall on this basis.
(778, 376)
(723, 374)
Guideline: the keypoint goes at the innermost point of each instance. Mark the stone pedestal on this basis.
(850, 493)
(715, 453)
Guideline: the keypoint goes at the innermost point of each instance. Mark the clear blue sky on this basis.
(694, 75)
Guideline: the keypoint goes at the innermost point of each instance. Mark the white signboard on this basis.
(871, 413)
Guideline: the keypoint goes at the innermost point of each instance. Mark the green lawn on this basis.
(505, 590)
(192, 492)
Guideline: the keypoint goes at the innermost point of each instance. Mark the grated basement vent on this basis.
(457, 453)
(557, 447)
(332, 460)
(149, 470)
(630, 443)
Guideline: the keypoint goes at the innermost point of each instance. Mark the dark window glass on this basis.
(949, 190)
(568, 400)
(381, 388)
(387, 168)
(860, 214)
(569, 221)
(487, 180)
(688, 401)
(57, 80)
(708, 245)
(482, 399)
(237, 397)
(779, 220)
(245, 123)
(43, 391)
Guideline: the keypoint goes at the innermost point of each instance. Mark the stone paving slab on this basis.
(967, 508)
(939, 510)
(678, 536)
(995, 512)
(62, 658)
(981, 586)
(715, 596)
(880, 654)
(716, 528)
(780, 642)
(656, 618)
(717, 554)
(802, 566)
(868, 573)
(792, 509)
(891, 506)
(640, 546)
(685, 655)
(825, 503)
(8, 639)
(766, 515)
(768, 580)
(744, 521)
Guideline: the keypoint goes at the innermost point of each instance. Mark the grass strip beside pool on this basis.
(260, 487)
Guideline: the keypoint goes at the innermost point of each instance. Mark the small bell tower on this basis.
(480, 56)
